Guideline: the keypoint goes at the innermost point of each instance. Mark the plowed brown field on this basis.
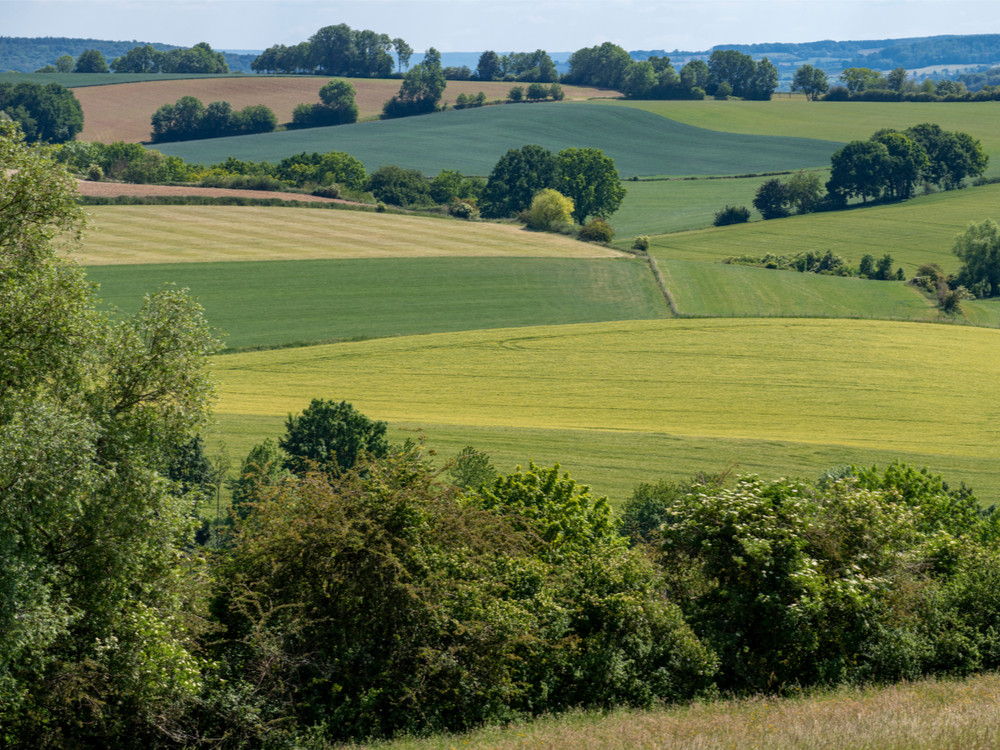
(122, 111)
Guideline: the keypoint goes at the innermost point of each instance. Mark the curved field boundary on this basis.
(868, 385)
(118, 189)
(472, 141)
(122, 111)
(197, 234)
(917, 231)
(835, 121)
(290, 302)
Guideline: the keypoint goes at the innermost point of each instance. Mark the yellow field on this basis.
(182, 234)
(867, 384)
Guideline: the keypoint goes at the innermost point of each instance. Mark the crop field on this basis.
(921, 230)
(186, 234)
(472, 140)
(838, 387)
(714, 289)
(283, 302)
(122, 111)
(833, 121)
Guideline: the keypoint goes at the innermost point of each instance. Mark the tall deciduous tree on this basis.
(490, 67)
(591, 181)
(811, 81)
(96, 595)
(330, 436)
(978, 247)
(517, 176)
(422, 88)
(91, 61)
(403, 53)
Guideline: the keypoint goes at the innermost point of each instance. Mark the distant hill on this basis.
(28, 54)
(954, 51)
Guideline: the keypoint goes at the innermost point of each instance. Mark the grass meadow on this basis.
(841, 387)
(921, 230)
(717, 290)
(277, 303)
(472, 140)
(925, 715)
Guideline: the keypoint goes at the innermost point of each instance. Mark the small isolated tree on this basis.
(516, 94)
(805, 190)
(549, 211)
(330, 436)
(772, 199)
(537, 92)
(978, 247)
(337, 106)
(91, 61)
(810, 81)
(731, 215)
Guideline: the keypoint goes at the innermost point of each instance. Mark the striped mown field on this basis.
(187, 234)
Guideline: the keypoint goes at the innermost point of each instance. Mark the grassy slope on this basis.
(123, 111)
(924, 715)
(713, 289)
(180, 234)
(276, 303)
(834, 121)
(851, 390)
(917, 231)
(473, 140)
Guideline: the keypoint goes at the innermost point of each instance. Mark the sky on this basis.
(501, 25)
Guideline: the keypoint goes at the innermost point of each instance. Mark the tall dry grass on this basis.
(929, 715)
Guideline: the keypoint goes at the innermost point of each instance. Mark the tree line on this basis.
(200, 58)
(866, 84)
(188, 119)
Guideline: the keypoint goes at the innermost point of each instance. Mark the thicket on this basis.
(826, 263)
(49, 113)
(189, 119)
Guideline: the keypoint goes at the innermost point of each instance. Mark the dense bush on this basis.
(597, 230)
(188, 119)
(731, 215)
(48, 113)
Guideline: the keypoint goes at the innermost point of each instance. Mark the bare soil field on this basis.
(122, 111)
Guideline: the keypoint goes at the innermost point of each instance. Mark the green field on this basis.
(472, 141)
(921, 230)
(660, 206)
(282, 302)
(832, 121)
(698, 394)
(714, 289)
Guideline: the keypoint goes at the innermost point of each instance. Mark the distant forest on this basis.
(28, 54)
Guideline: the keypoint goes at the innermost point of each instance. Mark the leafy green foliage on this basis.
(189, 119)
(337, 106)
(421, 90)
(330, 436)
(590, 180)
(979, 250)
(96, 592)
(515, 180)
(398, 186)
(731, 215)
(772, 199)
(549, 211)
(48, 113)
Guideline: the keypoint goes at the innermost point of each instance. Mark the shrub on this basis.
(516, 94)
(95, 173)
(549, 211)
(464, 210)
(597, 230)
(327, 191)
(732, 215)
(641, 243)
